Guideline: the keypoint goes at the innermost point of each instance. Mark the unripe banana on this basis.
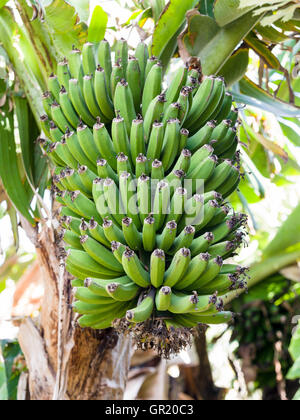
(154, 114)
(73, 240)
(47, 100)
(143, 311)
(121, 54)
(183, 139)
(202, 137)
(225, 109)
(134, 269)
(123, 164)
(132, 236)
(127, 186)
(142, 55)
(155, 142)
(177, 83)
(177, 268)
(149, 234)
(104, 60)
(163, 298)
(172, 112)
(119, 136)
(141, 166)
(184, 161)
(181, 303)
(96, 231)
(79, 261)
(184, 240)
(75, 64)
(177, 205)
(152, 86)
(209, 211)
(79, 102)
(121, 292)
(157, 267)
(59, 118)
(195, 269)
(118, 250)
(219, 176)
(124, 104)
(134, 79)
(112, 232)
(137, 141)
(63, 74)
(212, 271)
(167, 238)
(202, 243)
(54, 86)
(67, 108)
(157, 172)
(170, 144)
(90, 98)
(88, 58)
(149, 65)
(102, 94)
(144, 197)
(100, 254)
(117, 75)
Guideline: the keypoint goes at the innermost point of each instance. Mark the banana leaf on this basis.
(213, 44)
(171, 19)
(251, 94)
(98, 24)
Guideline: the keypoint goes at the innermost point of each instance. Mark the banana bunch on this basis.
(141, 243)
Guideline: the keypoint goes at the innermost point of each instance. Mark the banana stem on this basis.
(264, 269)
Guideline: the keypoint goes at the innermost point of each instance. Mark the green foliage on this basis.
(277, 10)
(97, 28)
(10, 369)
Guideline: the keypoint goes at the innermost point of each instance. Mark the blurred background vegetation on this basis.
(255, 45)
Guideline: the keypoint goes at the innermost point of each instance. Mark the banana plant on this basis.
(294, 349)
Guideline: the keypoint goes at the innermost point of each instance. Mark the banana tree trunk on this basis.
(66, 362)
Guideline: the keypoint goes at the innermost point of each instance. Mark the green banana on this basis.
(141, 166)
(163, 298)
(134, 269)
(157, 172)
(100, 254)
(212, 271)
(170, 144)
(67, 108)
(96, 232)
(54, 86)
(119, 136)
(143, 311)
(155, 142)
(137, 141)
(168, 236)
(144, 197)
(142, 55)
(153, 114)
(79, 102)
(102, 93)
(202, 243)
(152, 86)
(88, 58)
(63, 74)
(124, 104)
(134, 79)
(177, 83)
(181, 303)
(219, 176)
(149, 234)
(178, 267)
(98, 286)
(90, 98)
(118, 250)
(82, 262)
(121, 54)
(104, 144)
(121, 292)
(184, 240)
(202, 137)
(104, 60)
(157, 267)
(195, 269)
(132, 236)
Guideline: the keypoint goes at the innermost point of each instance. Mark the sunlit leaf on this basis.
(212, 44)
(236, 67)
(170, 20)
(228, 11)
(98, 25)
(252, 94)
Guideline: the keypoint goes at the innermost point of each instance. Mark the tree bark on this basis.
(66, 362)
